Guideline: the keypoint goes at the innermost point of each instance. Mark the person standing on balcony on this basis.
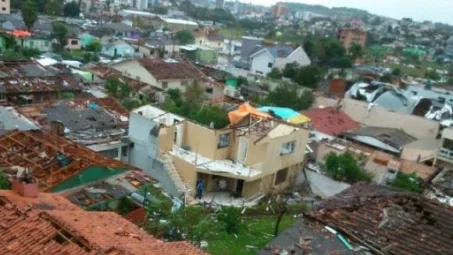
(200, 187)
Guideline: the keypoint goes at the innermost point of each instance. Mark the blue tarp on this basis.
(283, 113)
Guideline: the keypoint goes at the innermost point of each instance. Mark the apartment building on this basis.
(279, 10)
(349, 36)
(249, 159)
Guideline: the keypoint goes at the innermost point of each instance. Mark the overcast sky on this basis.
(434, 10)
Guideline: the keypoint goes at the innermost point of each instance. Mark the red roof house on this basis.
(331, 121)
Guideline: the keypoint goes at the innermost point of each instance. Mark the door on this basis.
(239, 187)
(242, 150)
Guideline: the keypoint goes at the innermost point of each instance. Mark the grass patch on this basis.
(414, 72)
(232, 33)
(257, 233)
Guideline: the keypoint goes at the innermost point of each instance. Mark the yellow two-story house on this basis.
(252, 158)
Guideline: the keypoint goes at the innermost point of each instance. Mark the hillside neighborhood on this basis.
(221, 127)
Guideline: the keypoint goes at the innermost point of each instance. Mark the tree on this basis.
(160, 10)
(287, 95)
(290, 70)
(410, 182)
(344, 167)
(308, 76)
(342, 62)
(95, 46)
(432, 75)
(117, 88)
(356, 51)
(71, 9)
(59, 32)
(54, 7)
(275, 74)
(185, 37)
(29, 13)
(309, 48)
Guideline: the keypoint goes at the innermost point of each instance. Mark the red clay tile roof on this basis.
(391, 221)
(47, 228)
(38, 153)
(329, 122)
(162, 70)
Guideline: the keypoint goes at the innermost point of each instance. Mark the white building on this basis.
(265, 59)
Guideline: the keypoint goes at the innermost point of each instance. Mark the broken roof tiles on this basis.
(51, 159)
(389, 221)
(330, 122)
(168, 70)
(61, 228)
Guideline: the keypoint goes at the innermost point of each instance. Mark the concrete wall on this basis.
(204, 140)
(416, 126)
(145, 150)
(187, 173)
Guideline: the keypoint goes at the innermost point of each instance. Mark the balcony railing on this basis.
(446, 153)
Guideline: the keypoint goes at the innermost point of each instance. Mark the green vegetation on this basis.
(4, 181)
(288, 95)
(256, 234)
(59, 32)
(190, 105)
(410, 182)
(123, 92)
(345, 168)
(307, 76)
(29, 12)
(95, 46)
(203, 13)
(185, 37)
(233, 33)
(71, 9)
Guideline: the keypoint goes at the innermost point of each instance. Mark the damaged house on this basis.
(249, 158)
(25, 82)
(98, 123)
(386, 221)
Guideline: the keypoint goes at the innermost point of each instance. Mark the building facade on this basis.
(352, 36)
(279, 10)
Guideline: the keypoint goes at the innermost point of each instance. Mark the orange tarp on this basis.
(244, 110)
(21, 33)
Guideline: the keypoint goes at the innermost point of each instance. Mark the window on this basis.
(287, 148)
(46, 43)
(3, 9)
(259, 72)
(74, 42)
(164, 85)
(184, 83)
(112, 153)
(124, 151)
(281, 175)
(31, 44)
(224, 141)
(269, 65)
(209, 90)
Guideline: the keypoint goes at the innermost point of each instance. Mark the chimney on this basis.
(25, 185)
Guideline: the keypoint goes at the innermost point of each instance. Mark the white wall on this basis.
(298, 55)
(133, 69)
(260, 63)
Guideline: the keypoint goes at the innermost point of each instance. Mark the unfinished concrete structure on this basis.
(249, 159)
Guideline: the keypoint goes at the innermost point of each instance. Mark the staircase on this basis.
(174, 175)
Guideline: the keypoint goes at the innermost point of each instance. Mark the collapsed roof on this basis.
(51, 159)
(388, 221)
